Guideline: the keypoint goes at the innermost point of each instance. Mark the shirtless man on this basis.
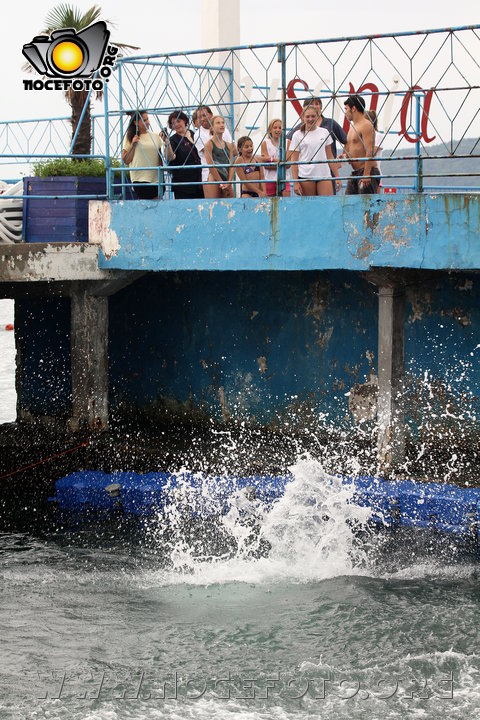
(360, 144)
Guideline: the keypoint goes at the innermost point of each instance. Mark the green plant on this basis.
(68, 167)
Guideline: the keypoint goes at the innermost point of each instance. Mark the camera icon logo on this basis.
(68, 54)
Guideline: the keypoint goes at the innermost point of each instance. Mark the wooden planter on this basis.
(56, 219)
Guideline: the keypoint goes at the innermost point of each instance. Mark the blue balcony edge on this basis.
(419, 231)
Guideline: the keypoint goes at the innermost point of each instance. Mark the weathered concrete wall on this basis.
(50, 262)
(268, 346)
(439, 232)
(243, 345)
(442, 355)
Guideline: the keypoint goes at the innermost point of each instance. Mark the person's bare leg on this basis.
(309, 187)
(211, 191)
(324, 187)
(228, 192)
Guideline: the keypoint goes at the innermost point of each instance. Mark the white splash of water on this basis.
(310, 533)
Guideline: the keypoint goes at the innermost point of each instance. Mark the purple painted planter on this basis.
(56, 219)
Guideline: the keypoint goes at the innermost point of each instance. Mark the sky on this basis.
(159, 27)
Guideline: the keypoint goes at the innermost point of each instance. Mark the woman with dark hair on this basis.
(142, 152)
(186, 180)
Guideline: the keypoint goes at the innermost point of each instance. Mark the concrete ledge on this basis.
(50, 262)
(437, 232)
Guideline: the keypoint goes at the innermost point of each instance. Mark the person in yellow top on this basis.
(143, 149)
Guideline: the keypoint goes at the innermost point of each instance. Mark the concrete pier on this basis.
(89, 360)
(391, 375)
(238, 319)
(67, 270)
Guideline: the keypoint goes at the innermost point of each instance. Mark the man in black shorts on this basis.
(360, 144)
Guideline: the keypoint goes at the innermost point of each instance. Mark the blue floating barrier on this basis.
(431, 506)
(145, 494)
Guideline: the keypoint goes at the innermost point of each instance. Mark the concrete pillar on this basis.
(89, 357)
(221, 28)
(220, 23)
(391, 370)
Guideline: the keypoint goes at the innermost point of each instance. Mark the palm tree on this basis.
(69, 16)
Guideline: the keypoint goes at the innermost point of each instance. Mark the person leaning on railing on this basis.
(185, 154)
(336, 131)
(142, 149)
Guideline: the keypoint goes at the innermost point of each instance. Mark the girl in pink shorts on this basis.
(270, 152)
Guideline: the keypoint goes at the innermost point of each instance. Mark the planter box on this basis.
(55, 219)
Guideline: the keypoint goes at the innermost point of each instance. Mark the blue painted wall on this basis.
(439, 232)
(245, 345)
(442, 352)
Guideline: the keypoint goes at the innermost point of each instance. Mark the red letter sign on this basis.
(291, 93)
(425, 116)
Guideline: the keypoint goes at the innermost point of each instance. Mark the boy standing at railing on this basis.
(360, 144)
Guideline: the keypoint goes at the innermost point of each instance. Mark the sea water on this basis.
(295, 611)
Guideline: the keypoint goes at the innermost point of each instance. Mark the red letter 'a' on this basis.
(291, 93)
(425, 116)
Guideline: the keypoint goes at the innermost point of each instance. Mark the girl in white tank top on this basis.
(270, 153)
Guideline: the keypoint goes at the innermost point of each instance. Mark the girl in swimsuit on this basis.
(217, 153)
(249, 171)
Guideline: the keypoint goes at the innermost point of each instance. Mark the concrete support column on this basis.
(221, 28)
(220, 23)
(391, 371)
(89, 357)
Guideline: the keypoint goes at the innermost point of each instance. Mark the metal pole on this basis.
(281, 174)
(418, 184)
(231, 93)
(419, 178)
(120, 107)
(107, 146)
